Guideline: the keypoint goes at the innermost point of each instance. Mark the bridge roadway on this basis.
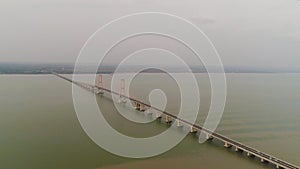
(264, 157)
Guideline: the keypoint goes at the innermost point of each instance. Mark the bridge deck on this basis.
(239, 146)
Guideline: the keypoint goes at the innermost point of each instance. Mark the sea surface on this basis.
(39, 128)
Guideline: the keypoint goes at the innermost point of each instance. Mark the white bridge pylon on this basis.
(99, 83)
(122, 99)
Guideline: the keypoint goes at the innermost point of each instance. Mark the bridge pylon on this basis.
(122, 99)
(99, 83)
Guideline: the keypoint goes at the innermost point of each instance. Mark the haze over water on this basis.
(39, 127)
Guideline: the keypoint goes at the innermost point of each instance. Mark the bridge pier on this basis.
(168, 119)
(237, 149)
(149, 110)
(138, 106)
(134, 104)
(179, 124)
(142, 107)
(122, 99)
(193, 129)
(250, 155)
(227, 145)
(100, 91)
(208, 137)
(158, 115)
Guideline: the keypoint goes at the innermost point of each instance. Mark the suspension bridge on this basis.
(170, 118)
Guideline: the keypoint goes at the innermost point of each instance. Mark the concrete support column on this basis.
(134, 104)
(179, 124)
(193, 129)
(227, 145)
(208, 137)
(168, 119)
(142, 107)
(249, 154)
(149, 111)
(158, 114)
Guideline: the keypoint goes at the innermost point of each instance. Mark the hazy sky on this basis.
(260, 33)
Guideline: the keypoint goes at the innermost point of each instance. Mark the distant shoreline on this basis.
(152, 73)
(32, 69)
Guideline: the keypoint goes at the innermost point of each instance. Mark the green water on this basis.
(39, 128)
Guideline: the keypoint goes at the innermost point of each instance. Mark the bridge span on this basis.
(169, 118)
